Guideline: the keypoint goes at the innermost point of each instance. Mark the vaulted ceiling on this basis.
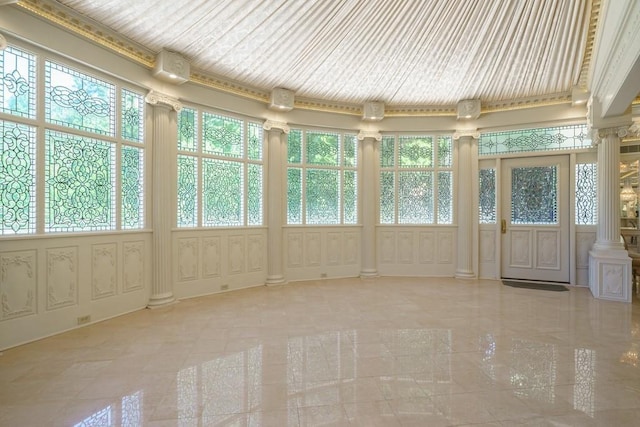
(400, 52)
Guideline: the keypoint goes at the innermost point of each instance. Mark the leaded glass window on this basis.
(132, 174)
(487, 191)
(534, 195)
(531, 140)
(586, 193)
(132, 116)
(17, 178)
(79, 101)
(322, 180)
(18, 74)
(416, 180)
(220, 170)
(80, 183)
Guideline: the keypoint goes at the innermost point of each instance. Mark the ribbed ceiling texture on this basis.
(400, 52)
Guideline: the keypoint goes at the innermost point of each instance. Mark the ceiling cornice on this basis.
(81, 25)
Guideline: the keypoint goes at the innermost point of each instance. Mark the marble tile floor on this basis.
(376, 352)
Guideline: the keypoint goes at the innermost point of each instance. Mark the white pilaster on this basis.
(464, 259)
(368, 265)
(275, 199)
(164, 140)
(609, 264)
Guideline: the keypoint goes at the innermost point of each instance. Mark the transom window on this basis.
(220, 170)
(416, 180)
(322, 178)
(91, 140)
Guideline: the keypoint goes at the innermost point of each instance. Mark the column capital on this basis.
(597, 135)
(155, 98)
(369, 134)
(272, 124)
(461, 133)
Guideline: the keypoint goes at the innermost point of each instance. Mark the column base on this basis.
(275, 281)
(368, 274)
(610, 275)
(464, 274)
(161, 300)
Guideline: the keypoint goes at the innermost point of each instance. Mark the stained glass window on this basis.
(132, 174)
(80, 184)
(187, 129)
(132, 116)
(79, 101)
(322, 184)
(586, 193)
(416, 180)
(17, 178)
(229, 183)
(487, 192)
(18, 74)
(534, 195)
(187, 191)
(530, 140)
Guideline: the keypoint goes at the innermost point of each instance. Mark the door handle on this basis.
(503, 226)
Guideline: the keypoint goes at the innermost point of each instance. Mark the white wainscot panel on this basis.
(104, 270)
(445, 247)
(487, 246)
(334, 248)
(548, 257)
(18, 284)
(584, 243)
(256, 245)
(427, 247)
(187, 259)
(351, 247)
(211, 257)
(313, 249)
(133, 265)
(405, 247)
(294, 249)
(613, 283)
(520, 249)
(236, 254)
(388, 247)
(62, 277)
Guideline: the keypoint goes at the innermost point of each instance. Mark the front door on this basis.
(535, 218)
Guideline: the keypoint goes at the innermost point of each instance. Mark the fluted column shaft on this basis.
(164, 140)
(464, 260)
(368, 264)
(608, 230)
(275, 199)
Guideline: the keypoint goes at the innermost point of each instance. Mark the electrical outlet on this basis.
(84, 319)
(224, 287)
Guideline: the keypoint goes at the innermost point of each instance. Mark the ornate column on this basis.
(164, 140)
(609, 264)
(368, 265)
(276, 196)
(464, 259)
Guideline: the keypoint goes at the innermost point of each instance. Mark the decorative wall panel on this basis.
(487, 246)
(613, 281)
(388, 247)
(445, 247)
(104, 270)
(211, 257)
(548, 244)
(334, 248)
(256, 244)
(62, 277)
(351, 248)
(18, 284)
(405, 247)
(520, 249)
(132, 266)
(236, 254)
(427, 246)
(313, 249)
(584, 243)
(187, 259)
(295, 248)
